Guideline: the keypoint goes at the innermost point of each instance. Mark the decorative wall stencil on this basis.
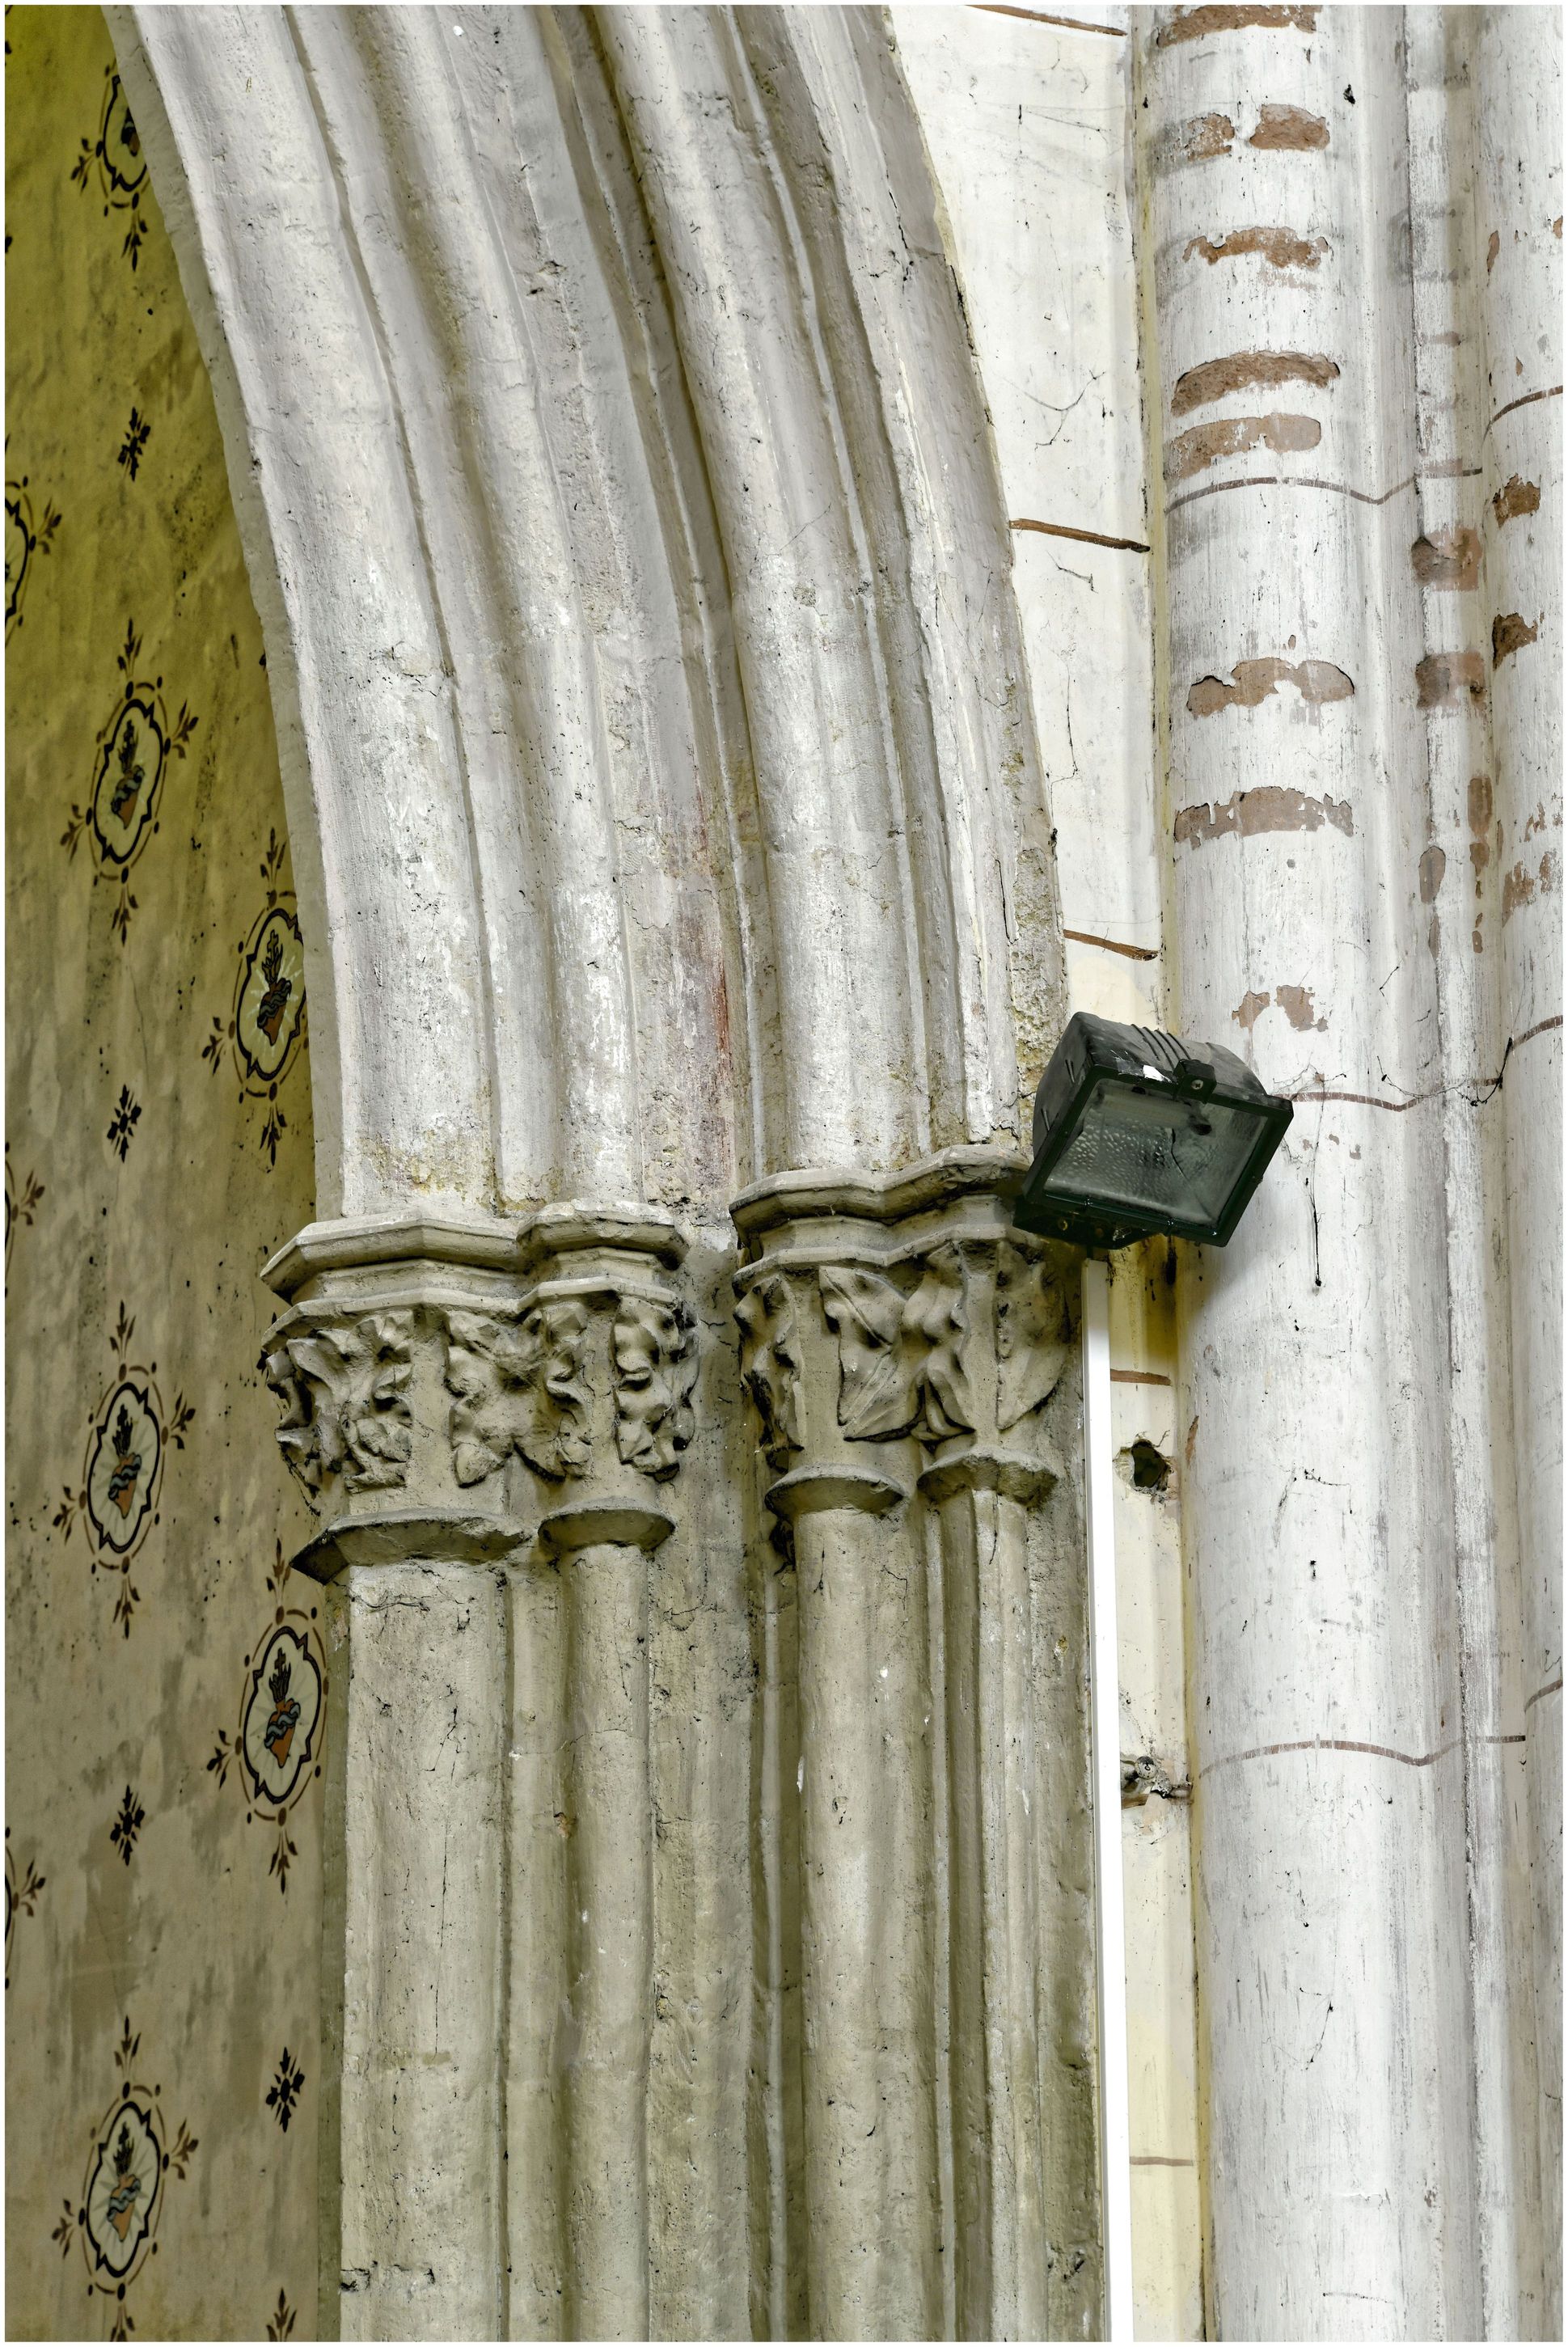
(21, 1893)
(124, 1122)
(266, 1030)
(27, 536)
(284, 2090)
(281, 2323)
(133, 751)
(278, 1740)
(110, 414)
(128, 1824)
(122, 1474)
(133, 2152)
(21, 1197)
(122, 171)
(138, 433)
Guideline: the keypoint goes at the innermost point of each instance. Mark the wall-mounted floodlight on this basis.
(1136, 1134)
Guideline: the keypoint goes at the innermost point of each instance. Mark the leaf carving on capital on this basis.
(653, 1354)
(342, 1393)
(518, 1386)
(901, 1358)
(1033, 1335)
(771, 1365)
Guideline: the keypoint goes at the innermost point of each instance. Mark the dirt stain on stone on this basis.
(1206, 444)
(1197, 23)
(1254, 679)
(1430, 873)
(1288, 128)
(1281, 247)
(1243, 370)
(1511, 631)
(1272, 808)
(1445, 680)
(1449, 557)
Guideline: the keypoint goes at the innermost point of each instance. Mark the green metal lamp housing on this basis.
(1136, 1133)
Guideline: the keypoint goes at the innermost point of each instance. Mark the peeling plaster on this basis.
(1256, 680)
(1206, 444)
(1268, 808)
(1243, 369)
(1447, 558)
(1444, 678)
(1288, 128)
(1282, 247)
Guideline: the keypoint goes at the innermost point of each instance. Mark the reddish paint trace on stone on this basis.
(1449, 557)
(1194, 451)
(1288, 127)
(1493, 246)
(1269, 808)
(1196, 23)
(1281, 247)
(1511, 631)
(1243, 369)
(1443, 679)
(1255, 680)
(1515, 497)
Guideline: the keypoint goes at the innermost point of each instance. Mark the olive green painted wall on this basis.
(162, 1886)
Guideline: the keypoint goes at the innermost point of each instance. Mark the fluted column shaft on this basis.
(899, 1361)
(489, 1420)
(1517, 70)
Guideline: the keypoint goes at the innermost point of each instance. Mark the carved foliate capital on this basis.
(879, 1316)
(519, 1387)
(972, 1338)
(654, 1367)
(479, 1382)
(772, 1364)
(343, 1392)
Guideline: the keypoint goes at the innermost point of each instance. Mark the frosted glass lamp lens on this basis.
(1154, 1151)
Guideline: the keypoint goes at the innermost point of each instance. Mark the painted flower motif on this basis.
(27, 536)
(123, 2189)
(121, 810)
(123, 1466)
(284, 1716)
(121, 165)
(282, 1709)
(130, 769)
(269, 1002)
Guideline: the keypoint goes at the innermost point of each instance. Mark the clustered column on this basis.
(489, 1419)
(901, 1345)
